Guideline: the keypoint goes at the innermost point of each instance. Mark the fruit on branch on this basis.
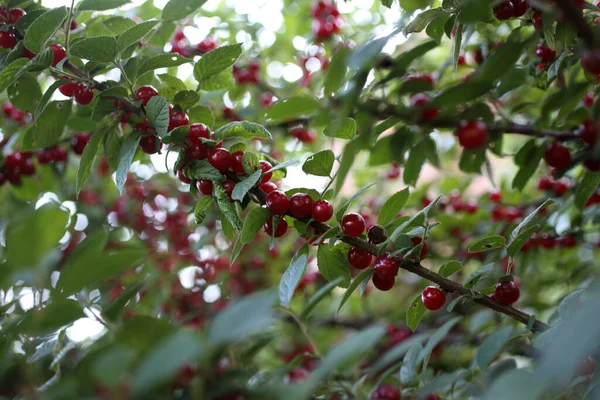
(377, 234)
(588, 132)
(150, 144)
(8, 40)
(280, 230)
(536, 20)
(277, 202)
(383, 284)
(520, 7)
(304, 135)
(590, 60)
(15, 15)
(264, 167)
(79, 141)
(385, 392)
(504, 11)
(229, 185)
(420, 102)
(353, 224)
(220, 159)
(386, 267)
(424, 250)
(301, 205)
(558, 156)
(145, 93)
(433, 298)
(268, 187)
(83, 95)
(205, 187)
(177, 119)
(206, 45)
(506, 292)
(69, 89)
(247, 74)
(197, 132)
(326, 19)
(359, 259)
(322, 211)
(545, 53)
(58, 53)
(472, 134)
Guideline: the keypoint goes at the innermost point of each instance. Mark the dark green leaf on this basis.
(157, 111)
(413, 165)
(478, 275)
(319, 164)
(222, 81)
(101, 5)
(487, 243)
(226, 206)
(293, 275)
(178, 9)
(472, 160)
(126, 153)
(87, 158)
(243, 187)
(415, 313)
(342, 210)
(517, 242)
(360, 278)
(53, 316)
(134, 34)
(423, 19)
(40, 31)
(319, 295)
(336, 72)
(529, 218)
(51, 123)
(242, 129)
(334, 263)
(392, 207)
(201, 169)
(12, 72)
(186, 98)
(25, 93)
(491, 346)
(199, 214)
(98, 48)
(343, 128)
(253, 223)
(112, 148)
(46, 97)
(412, 5)
(227, 228)
(293, 108)
(216, 61)
(586, 188)
(162, 61)
(450, 268)
(436, 338)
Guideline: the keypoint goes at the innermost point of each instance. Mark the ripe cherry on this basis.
(281, 229)
(13, 176)
(15, 15)
(13, 160)
(359, 259)
(79, 141)
(385, 392)
(228, 185)
(44, 156)
(472, 134)
(68, 89)
(536, 19)
(197, 152)
(27, 168)
(558, 156)
(507, 292)
(301, 205)
(268, 187)
(560, 187)
(495, 197)
(298, 374)
(178, 119)
(264, 167)
(208, 44)
(545, 53)
(145, 93)
(433, 298)
(205, 187)
(353, 224)
(277, 202)
(59, 154)
(197, 132)
(150, 144)
(588, 132)
(236, 162)
(386, 267)
(592, 165)
(424, 250)
(520, 7)
(181, 176)
(420, 101)
(590, 61)
(322, 211)
(220, 159)
(383, 284)
(8, 40)
(83, 95)
(58, 52)
(504, 11)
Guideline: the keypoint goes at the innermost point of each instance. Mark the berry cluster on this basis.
(14, 114)
(20, 164)
(559, 187)
(248, 74)
(510, 9)
(455, 201)
(82, 93)
(181, 45)
(420, 102)
(304, 135)
(472, 134)
(545, 54)
(326, 19)
(8, 38)
(506, 291)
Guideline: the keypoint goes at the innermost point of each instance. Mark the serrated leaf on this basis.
(98, 48)
(333, 263)
(487, 243)
(25, 92)
(450, 268)
(50, 125)
(40, 30)
(199, 214)
(253, 223)
(518, 242)
(126, 153)
(586, 188)
(157, 111)
(242, 129)
(134, 34)
(227, 228)
(201, 169)
(216, 61)
(392, 207)
(293, 107)
(226, 205)
(178, 9)
(319, 164)
(87, 158)
(293, 275)
(12, 72)
(415, 313)
(186, 98)
(46, 97)
(101, 5)
(360, 278)
(413, 165)
(242, 188)
(343, 128)
(162, 61)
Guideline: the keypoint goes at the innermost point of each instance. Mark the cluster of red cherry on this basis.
(82, 93)
(247, 74)
(455, 201)
(326, 19)
(8, 39)
(510, 9)
(303, 134)
(181, 45)
(545, 54)
(14, 114)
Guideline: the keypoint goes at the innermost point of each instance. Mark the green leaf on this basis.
(202, 114)
(487, 243)
(450, 268)
(227, 228)
(216, 61)
(244, 318)
(517, 242)
(226, 205)
(360, 278)
(113, 310)
(415, 313)
(343, 128)
(478, 275)
(163, 361)
(12, 72)
(98, 48)
(178, 9)
(334, 78)
(242, 129)
(199, 214)
(95, 268)
(396, 353)
(319, 164)
(46, 97)
(157, 111)
(457, 43)
(101, 5)
(87, 158)
(40, 31)
(334, 263)
(292, 108)
(162, 61)
(529, 218)
(186, 98)
(255, 220)
(342, 210)
(25, 93)
(115, 26)
(293, 275)
(491, 346)
(58, 313)
(112, 148)
(201, 169)
(318, 296)
(435, 29)
(126, 153)
(134, 34)
(472, 160)
(586, 188)
(460, 94)
(242, 188)
(31, 236)
(413, 165)
(528, 158)
(423, 19)
(51, 123)
(412, 5)
(237, 248)
(436, 338)
(221, 81)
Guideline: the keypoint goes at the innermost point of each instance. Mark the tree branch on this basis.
(575, 15)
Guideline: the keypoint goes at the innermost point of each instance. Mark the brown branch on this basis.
(574, 15)
(416, 268)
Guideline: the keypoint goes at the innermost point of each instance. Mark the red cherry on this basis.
(228, 185)
(568, 241)
(281, 227)
(322, 211)
(277, 202)
(590, 61)
(301, 205)
(560, 187)
(545, 53)
(178, 119)
(27, 53)
(386, 267)
(558, 156)
(266, 99)
(13, 160)
(545, 183)
(59, 154)
(236, 162)
(205, 187)
(178, 34)
(359, 259)
(264, 167)
(182, 177)
(520, 7)
(592, 165)
(421, 101)
(58, 52)
(15, 15)
(385, 392)
(197, 152)
(424, 250)
(83, 95)
(588, 132)
(432, 396)
(268, 187)
(150, 144)
(208, 44)
(79, 141)
(27, 168)
(383, 284)
(472, 134)
(433, 298)
(353, 224)
(536, 19)
(588, 100)
(44, 156)
(220, 159)
(197, 132)
(504, 11)
(495, 197)
(13, 175)
(507, 292)
(145, 93)
(69, 89)
(8, 40)
(298, 374)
